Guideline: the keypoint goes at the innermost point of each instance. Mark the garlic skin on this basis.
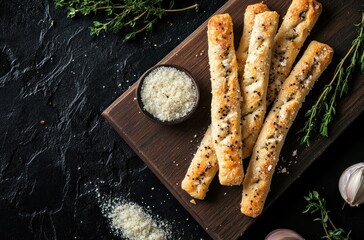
(283, 234)
(351, 184)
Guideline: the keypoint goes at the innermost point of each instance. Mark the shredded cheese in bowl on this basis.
(168, 94)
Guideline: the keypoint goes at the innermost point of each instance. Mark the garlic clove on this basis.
(351, 184)
(283, 234)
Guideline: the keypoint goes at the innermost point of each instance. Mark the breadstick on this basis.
(249, 15)
(202, 169)
(296, 26)
(195, 181)
(225, 103)
(276, 126)
(255, 79)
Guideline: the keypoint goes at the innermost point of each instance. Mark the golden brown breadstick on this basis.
(296, 26)
(192, 182)
(255, 79)
(225, 103)
(275, 128)
(202, 169)
(249, 15)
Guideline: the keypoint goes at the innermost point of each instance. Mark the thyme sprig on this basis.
(317, 204)
(323, 110)
(133, 16)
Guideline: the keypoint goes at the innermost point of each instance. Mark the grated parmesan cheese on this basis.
(168, 93)
(134, 223)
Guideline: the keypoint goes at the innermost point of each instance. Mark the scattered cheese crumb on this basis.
(269, 167)
(226, 63)
(294, 153)
(193, 201)
(284, 63)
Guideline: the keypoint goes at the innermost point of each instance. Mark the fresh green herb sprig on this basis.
(133, 16)
(323, 110)
(317, 204)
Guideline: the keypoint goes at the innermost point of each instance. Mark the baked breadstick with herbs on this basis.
(225, 103)
(255, 79)
(242, 53)
(198, 177)
(277, 124)
(296, 26)
(202, 169)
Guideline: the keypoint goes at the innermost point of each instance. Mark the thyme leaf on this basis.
(130, 16)
(317, 205)
(322, 112)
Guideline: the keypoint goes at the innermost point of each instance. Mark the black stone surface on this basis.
(57, 154)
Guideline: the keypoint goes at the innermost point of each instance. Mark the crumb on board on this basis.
(294, 153)
(282, 170)
(193, 201)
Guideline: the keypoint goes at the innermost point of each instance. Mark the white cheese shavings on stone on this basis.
(134, 223)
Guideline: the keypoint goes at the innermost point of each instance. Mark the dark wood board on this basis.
(167, 150)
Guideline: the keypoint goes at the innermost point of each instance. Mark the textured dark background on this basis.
(51, 172)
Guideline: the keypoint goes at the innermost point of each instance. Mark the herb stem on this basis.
(317, 204)
(145, 27)
(180, 9)
(136, 18)
(164, 10)
(129, 17)
(112, 7)
(322, 112)
(332, 224)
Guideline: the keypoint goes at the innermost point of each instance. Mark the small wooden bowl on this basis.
(149, 115)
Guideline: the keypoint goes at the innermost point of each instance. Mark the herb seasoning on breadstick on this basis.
(225, 103)
(296, 26)
(202, 169)
(275, 128)
(198, 177)
(255, 79)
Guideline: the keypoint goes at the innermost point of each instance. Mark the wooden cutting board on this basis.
(168, 150)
